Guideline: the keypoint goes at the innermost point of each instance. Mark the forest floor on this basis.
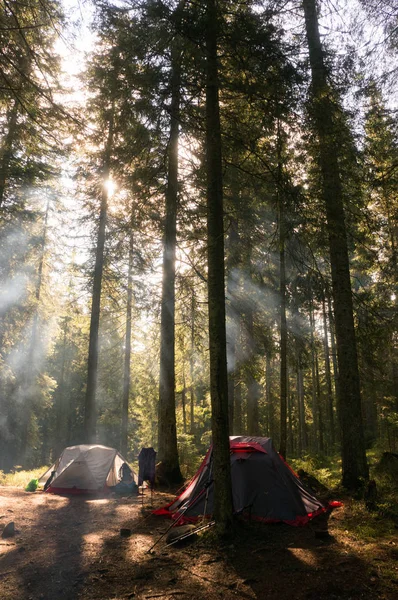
(71, 548)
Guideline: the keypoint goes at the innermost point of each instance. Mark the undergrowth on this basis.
(327, 469)
(21, 478)
(360, 523)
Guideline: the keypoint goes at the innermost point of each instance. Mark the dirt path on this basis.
(71, 548)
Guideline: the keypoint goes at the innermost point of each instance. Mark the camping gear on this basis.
(264, 488)
(146, 466)
(85, 469)
(32, 485)
(190, 533)
(177, 521)
(127, 485)
(146, 469)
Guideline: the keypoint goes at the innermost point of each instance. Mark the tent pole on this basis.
(168, 529)
(187, 535)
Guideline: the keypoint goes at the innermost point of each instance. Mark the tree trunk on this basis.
(184, 405)
(90, 412)
(24, 68)
(320, 411)
(354, 464)
(253, 388)
(268, 397)
(301, 405)
(233, 315)
(191, 368)
(167, 431)
(238, 412)
(61, 412)
(394, 368)
(127, 349)
(6, 149)
(223, 506)
(289, 411)
(29, 378)
(283, 335)
(333, 347)
(329, 392)
(315, 397)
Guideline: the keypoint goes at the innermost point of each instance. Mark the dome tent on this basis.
(87, 468)
(264, 487)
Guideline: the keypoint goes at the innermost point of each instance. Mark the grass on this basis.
(21, 478)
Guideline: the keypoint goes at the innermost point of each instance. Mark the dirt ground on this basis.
(71, 548)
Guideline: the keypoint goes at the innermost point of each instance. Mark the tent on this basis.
(85, 469)
(264, 487)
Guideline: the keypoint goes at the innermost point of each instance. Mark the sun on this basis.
(110, 187)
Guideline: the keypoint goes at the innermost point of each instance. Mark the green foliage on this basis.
(360, 523)
(189, 457)
(19, 478)
(325, 468)
(32, 485)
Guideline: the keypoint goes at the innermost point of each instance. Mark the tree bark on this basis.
(223, 506)
(191, 368)
(61, 416)
(233, 315)
(328, 377)
(239, 428)
(354, 464)
(127, 348)
(253, 388)
(268, 397)
(6, 149)
(184, 402)
(283, 335)
(303, 445)
(167, 431)
(333, 347)
(290, 442)
(90, 412)
(318, 391)
(29, 378)
(315, 397)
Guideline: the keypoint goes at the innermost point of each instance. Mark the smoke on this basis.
(13, 292)
(14, 274)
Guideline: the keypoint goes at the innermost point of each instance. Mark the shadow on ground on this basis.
(71, 548)
(263, 561)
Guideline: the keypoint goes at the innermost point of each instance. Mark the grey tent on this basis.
(86, 468)
(264, 487)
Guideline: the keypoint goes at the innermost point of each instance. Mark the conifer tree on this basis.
(354, 463)
(216, 277)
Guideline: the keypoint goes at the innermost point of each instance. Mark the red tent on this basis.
(264, 487)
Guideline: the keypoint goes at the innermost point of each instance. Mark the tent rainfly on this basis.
(264, 487)
(85, 469)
